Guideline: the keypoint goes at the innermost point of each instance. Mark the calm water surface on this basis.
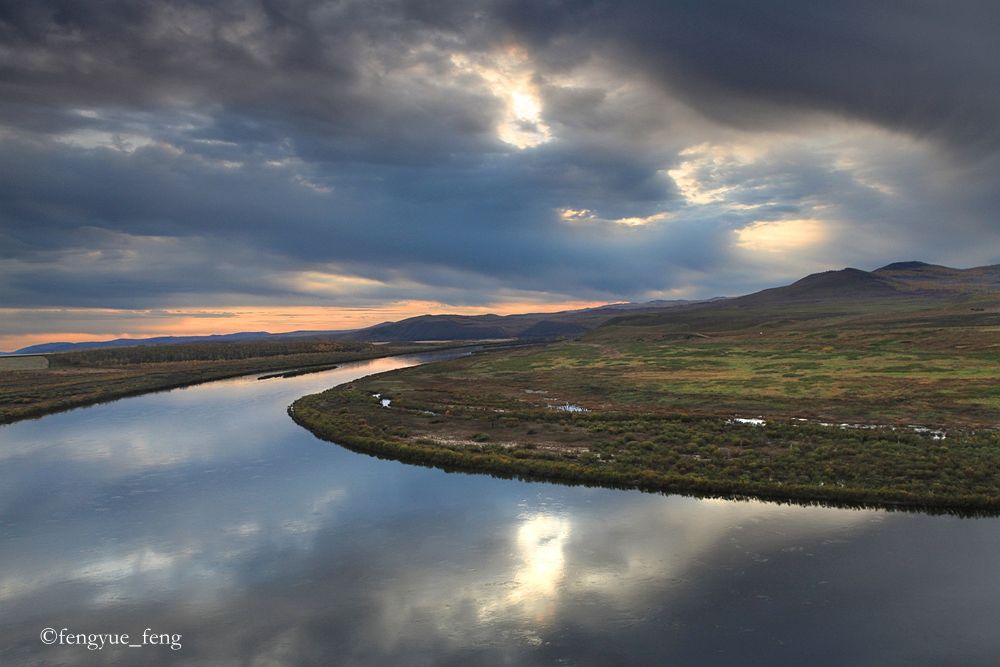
(206, 512)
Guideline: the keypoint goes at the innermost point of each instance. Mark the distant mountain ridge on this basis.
(44, 348)
(420, 328)
(934, 277)
(900, 285)
(892, 280)
(895, 280)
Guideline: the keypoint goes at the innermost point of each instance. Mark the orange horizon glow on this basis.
(234, 319)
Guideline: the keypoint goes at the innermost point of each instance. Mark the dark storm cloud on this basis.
(920, 66)
(181, 153)
(171, 223)
(264, 73)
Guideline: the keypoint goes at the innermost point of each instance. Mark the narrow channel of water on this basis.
(206, 512)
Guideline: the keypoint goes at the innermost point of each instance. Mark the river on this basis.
(205, 512)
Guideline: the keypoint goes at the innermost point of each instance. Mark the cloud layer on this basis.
(354, 154)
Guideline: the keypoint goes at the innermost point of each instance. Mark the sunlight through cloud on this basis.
(582, 215)
(509, 75)
(781, 235)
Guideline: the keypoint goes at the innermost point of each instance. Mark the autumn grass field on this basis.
(855, 398)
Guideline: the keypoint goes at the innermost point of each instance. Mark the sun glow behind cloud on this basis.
(585, 215)
(509, 75)
(640, 221)
(697, 175)
(576, 214)
(781, 235)
(330, 284)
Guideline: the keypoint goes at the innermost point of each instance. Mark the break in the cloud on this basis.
(183, 157)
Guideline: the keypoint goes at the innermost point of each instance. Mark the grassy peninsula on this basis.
(874, 389)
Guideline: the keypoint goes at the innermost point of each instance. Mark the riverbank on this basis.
(882, 419)
(865, 473)
(80, 379)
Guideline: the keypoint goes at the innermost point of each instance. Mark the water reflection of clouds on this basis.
(464, 580)
(265, 546)
(208, 422)
(615, 558)
(199, 559)
(618, 561)
(522, 573)
(165, 500)
(664, 538)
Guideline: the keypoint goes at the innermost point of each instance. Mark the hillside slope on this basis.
(524, 326)
(894, 292)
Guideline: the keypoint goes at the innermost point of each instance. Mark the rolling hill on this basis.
(526, 326)
(889, 292)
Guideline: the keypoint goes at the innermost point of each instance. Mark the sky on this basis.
(192, 167)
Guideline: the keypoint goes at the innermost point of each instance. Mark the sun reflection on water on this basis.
(540, 561)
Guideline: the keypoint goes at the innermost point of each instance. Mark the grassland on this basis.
(661, 392)
(75, 379)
